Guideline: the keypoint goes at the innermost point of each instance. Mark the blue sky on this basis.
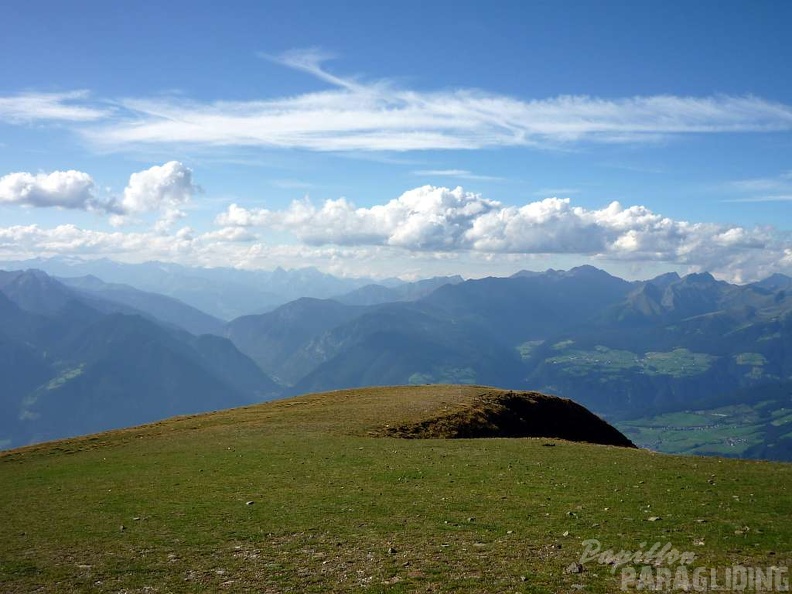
(400, 138)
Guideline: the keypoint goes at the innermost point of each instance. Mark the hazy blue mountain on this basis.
(523, 308)
(626, 350)
(69, 368)
(406, 343)
(663, 280)
(310, 282)
(465, 332)
(670, 299)
(272, 339)
(16, 322)
(122, 370)
(35, 291)
(224, 293)
(692, 343)
(23, 369)
(634, 352)
(160, 307)
(775, 282)
(376, 294)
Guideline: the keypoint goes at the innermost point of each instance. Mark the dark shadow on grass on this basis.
(515, 414)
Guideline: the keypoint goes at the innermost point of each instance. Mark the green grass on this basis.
(526, 349)
(444, 375)
(754, 359)
(336, 509)
(678, 363)
(726, 430)
(782, 417)
(613, 362)
(64, 377)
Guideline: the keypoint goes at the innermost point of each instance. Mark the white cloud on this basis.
(763, 189)
(378, 116)
(425, 218)
(770, 198)
(545, 192)
(64, 189)
(456, 173)
(441, 220)
(431, 231)
(355, 115)
(242, 217)
(419, 230)
(164, 189)
(292, 184)
(230, 234)
(373, 119)
(159, 187)
(30, 107)
(782, 181)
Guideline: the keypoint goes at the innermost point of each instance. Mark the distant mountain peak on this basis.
(699, 278)
(34, 290)
(775, 282)
(588, 271)
(526, 274)
(582, 272)
(665, 279)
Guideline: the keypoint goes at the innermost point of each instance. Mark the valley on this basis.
(641, 354)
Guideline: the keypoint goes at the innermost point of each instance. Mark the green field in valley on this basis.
(603, 360)
(726, 430)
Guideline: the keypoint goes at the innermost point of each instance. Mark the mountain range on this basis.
(223, 293)
(74, 364)
(634, 352)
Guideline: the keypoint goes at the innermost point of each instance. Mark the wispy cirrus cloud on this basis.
(292, 184)
(771, 198)
(72, 106)
(545, 192)
(776, 188)
(355, 115)
(456, 173)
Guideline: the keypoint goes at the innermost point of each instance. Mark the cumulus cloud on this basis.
(425, 218)
(230, 234)
(64, 189)
(165, 189)
(162, 189)
(431, 230)
(26, 241)
(435, 219)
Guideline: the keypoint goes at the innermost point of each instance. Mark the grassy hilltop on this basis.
(321, 493)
